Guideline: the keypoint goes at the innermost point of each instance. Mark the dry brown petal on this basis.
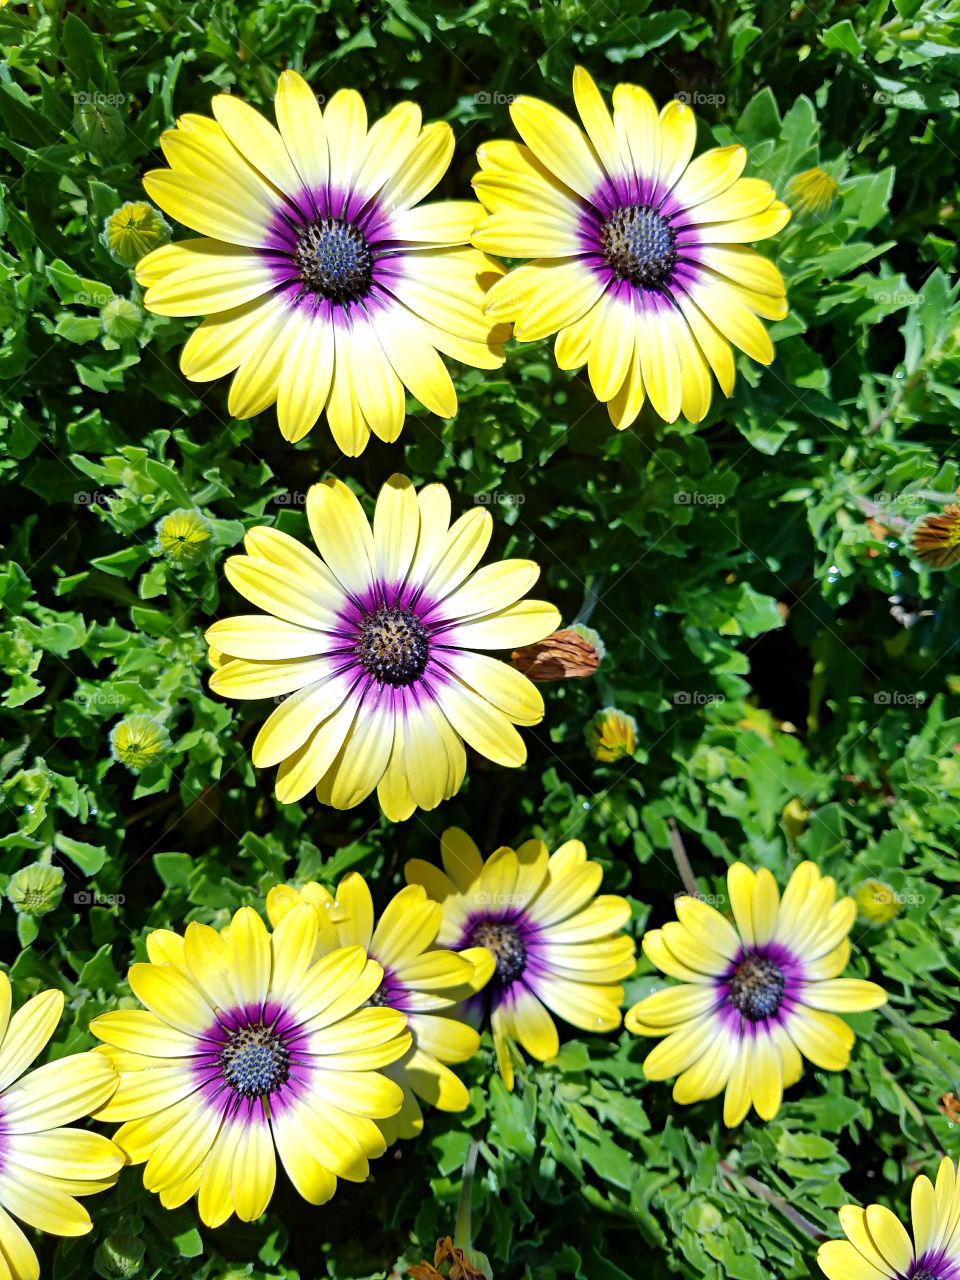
(936, 539)
(563, 656)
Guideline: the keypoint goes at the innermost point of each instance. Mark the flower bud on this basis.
(811, 192)
(877, 903)
(611, 735)
(183, 536)
(573, 653)
(138, 742)
(120, 1256)
(121, 319)
(36, 889)
(133, 230)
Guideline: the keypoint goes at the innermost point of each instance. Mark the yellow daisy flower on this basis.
(757, 998)
(556, 946)
(878, 1246)
(376, 642)
(45, 1166)
(327, 286)
(640, 266)
(249, 1047)
(424, 983)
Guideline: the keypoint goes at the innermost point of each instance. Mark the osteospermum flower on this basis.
(878, 1246)
(424, 982)
(44, 1166)
(639, 259)
(327, 288)
(755, 997)
(247, 1048)
(377, 645)
(556, 945)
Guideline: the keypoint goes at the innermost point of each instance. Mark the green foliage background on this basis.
(741, 573)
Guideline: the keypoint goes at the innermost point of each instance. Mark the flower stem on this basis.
(463, 1232)
(681, 859)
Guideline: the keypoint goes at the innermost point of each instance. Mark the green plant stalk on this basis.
(463, 1231)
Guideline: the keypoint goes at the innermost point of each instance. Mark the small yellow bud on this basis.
(133, 230)
(876, 902)
(611, 735)
(183, 536)
(811, 192)
(138, 741)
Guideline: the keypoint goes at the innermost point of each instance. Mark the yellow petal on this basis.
(557, 142)
(306, 375)
(839, 1260)
(28, 1032)
(423, 167)
(611, 347)
(345, 126)
(822, 1037)
(844, 995)
(302, 130)
(597, 122)
(257, 141)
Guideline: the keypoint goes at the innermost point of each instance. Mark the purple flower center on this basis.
(393, 645)
(254, 1061)
(639, 245)
(334, 259)
(504, 941)
(756, 987)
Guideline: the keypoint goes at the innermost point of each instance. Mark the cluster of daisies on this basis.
(329, 288)
(318, 1041)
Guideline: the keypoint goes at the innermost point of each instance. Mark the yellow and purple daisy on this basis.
(639, 258)
(249, 1047)
(328, 287)
(557, 947)
(376, 645)
(755, 997)
(44, 1165)
(879, 1247)
(423, 981)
